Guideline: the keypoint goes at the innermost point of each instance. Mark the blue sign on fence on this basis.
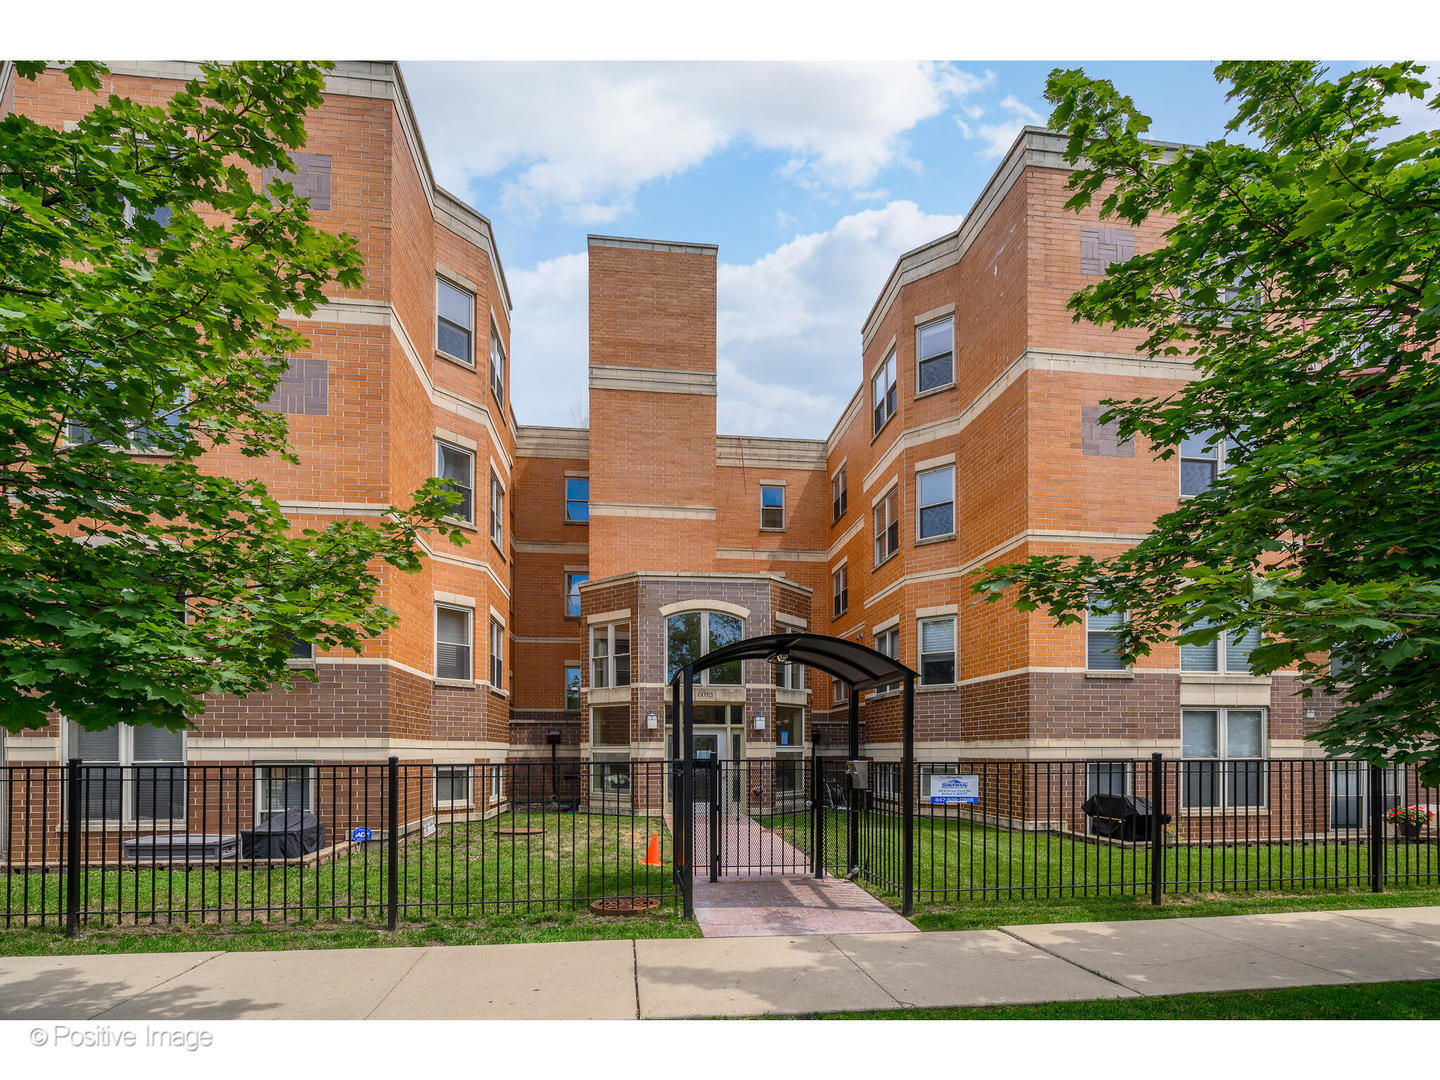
(360, 833)
(954, 789)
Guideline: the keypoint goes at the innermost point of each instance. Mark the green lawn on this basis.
(461, 871)
(959, 861)
(263, 937)
(1372, 1001)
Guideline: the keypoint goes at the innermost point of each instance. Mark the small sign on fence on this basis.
(954, 789)
(360, 833)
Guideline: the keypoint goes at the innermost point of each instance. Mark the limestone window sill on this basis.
(439, 355)
(936, 390)
(1109, 674)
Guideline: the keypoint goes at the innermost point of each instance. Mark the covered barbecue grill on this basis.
(286, 835)
(1121, 817)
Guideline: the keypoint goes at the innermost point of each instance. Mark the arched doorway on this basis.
(857, 666)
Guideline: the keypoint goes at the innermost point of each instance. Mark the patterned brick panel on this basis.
(304, 389)
(1099, 247)
(1102, 440)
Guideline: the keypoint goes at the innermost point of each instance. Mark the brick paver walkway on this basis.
(766, 889)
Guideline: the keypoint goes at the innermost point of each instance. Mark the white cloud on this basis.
(583, 137)
(998, 137)
(788, 326)
(549, 365)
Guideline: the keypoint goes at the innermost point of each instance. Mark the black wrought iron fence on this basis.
(996, 829)
(372, 843)
(378, 843)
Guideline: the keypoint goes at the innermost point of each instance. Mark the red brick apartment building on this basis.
(601, 557)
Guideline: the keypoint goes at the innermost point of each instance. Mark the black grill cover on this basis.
(1123, 817)
(286, 835)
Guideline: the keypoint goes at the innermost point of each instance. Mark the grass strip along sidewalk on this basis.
(1370, 1001)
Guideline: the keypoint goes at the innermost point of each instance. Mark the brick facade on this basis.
(673, 518)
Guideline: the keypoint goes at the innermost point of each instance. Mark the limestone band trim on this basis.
(651, 380)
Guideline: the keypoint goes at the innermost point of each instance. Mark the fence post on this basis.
(1377, 830)
(717, 805)
(1157, 829)
(73, 830)
(907, 794)
(392, 840)
(817, 815)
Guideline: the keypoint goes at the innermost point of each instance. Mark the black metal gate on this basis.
(758, 817)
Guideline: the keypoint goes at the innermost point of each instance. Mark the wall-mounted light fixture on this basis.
(759, 722)
(650, 722)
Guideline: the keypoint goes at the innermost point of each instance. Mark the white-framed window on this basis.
(454, 322)
(689, 635)
(772, 508)
(284, 787)
(1202, 459)
(573, 581)
(840, 590)
(839, 691)
(1350, 792)
(497, 654)
(789, 772)
(1108, 778)
(572, 686)
(1229, 653)
(789, 727)
(497, 782)
(888, 642)
(132, 773)
(497, 511)
(925, 772)
(885, 779)
(497, 365)
(453, 641)
(935, 502)
(1223, 752)
(610, 774)
(452, 785)
(139, 437)
(839, 496)
(609, 726)
(456, 466)
(937, 651)
(935, 355)
(301, 651)
(609, 655)
(887, 525)
(789, 676)
(882, 393)
(1102, 636)
(577, 499)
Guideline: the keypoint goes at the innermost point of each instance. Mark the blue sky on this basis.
(811, 178)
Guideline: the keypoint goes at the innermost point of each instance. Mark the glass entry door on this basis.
(708, 749)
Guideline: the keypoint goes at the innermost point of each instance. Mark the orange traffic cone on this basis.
(652, 856)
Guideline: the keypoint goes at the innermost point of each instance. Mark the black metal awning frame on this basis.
(856, 665)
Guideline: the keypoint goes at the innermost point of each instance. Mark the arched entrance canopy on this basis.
(856, 665)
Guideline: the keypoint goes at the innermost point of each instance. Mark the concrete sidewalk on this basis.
(736, 976)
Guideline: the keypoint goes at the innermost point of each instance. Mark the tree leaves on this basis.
(1298, 275)
(143, 280)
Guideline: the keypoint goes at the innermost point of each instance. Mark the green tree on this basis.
(1300, 278)
(143, 278)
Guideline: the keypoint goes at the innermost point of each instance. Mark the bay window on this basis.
(609, 655)
(689, 635)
